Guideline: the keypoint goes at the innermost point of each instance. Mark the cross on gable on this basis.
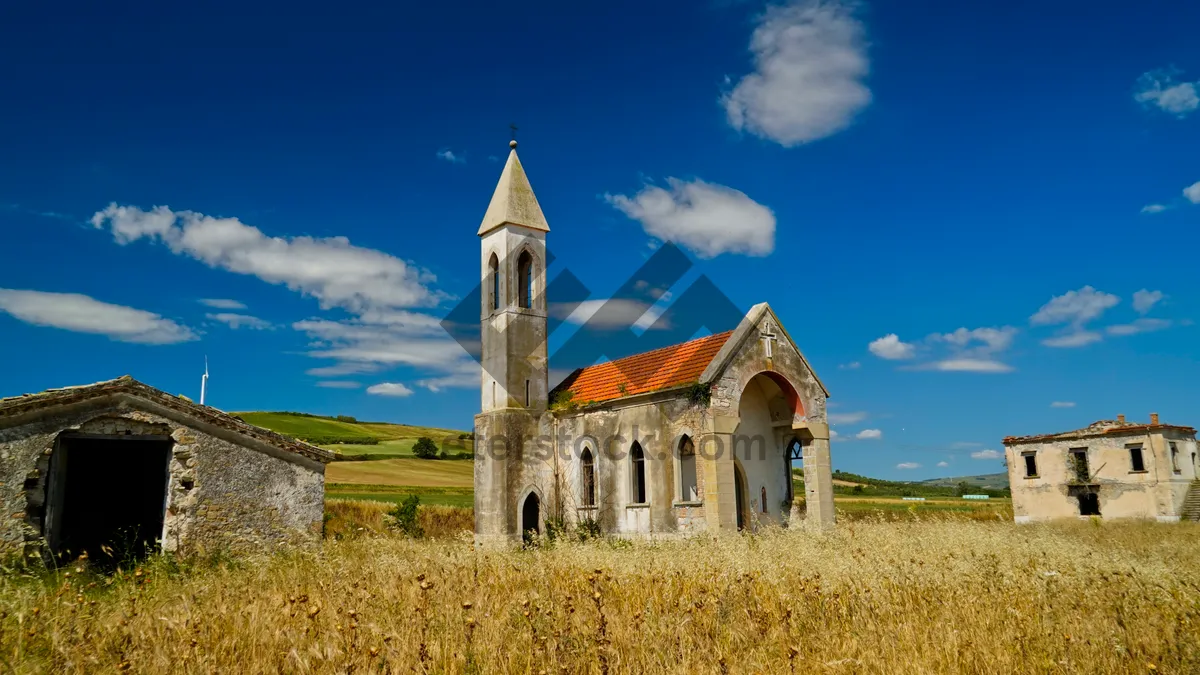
(769, 338)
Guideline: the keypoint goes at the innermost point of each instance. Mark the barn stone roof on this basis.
(663, 368)
(1100, 428)
(18, 410)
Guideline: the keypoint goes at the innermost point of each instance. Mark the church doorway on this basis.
(531, 516)
(739, 494)
(764, 445)
(106, 497)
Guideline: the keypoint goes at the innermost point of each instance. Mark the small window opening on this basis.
(638, 460)
(1030, 465)
(688, 490)
(587, 465)
(1175, 459)
(494, 270)
(763, 500)
(1079, 463)
(493, 393)
(1089, 504)
(1136, 463)
(525, 280)
(526, 393)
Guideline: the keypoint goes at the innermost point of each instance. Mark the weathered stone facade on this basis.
(228, 486)
(704, 443)
(1110, 469)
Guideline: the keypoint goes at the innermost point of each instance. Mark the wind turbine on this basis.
(204, 381)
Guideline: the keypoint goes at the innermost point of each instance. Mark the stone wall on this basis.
(224, 492)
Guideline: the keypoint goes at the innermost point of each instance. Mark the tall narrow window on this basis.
(1136, 463)
(1030, 465)
(494, 270)
(763, 500)
(1174, 458)
(587, 477)
(525, 280)
(638, 461)
(526, 393)
(688, 490)
(1079, 462)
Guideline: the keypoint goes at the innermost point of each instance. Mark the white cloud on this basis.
(618, 313)
(847, 418)
(1076, 339)
(467, 374)
(450, 157)
(810, 60)
(853, 365)
(890, 347)
(706, 218)
(1192, 192)
(236, 321)
(1159, 88)
(908, 465)
(1142, 325)
(965, 365)
(342, 369)
(83, 314)
(1144, 300)
(1074, 307)
(1154, 208)
(833, 435)
(993, 339)
(389, 389)
(338, 384)
(943, 464)
(869, 435)
(1062, 404)
(219, 303)
(332, 270)
(987, 454)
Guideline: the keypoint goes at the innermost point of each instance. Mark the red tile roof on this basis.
(649, 371)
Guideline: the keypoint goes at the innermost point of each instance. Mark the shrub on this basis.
(346, 418)
(425, 448)
(405, 517)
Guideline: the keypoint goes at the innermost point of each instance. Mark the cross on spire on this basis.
(769, 338)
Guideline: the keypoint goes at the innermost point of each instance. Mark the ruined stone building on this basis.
(117, 466)
(1111, 469)
(698, 436)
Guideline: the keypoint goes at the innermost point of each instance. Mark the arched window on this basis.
(587, 477)
(494, 271)
(525, 280)
(688, 489)
(638, 460)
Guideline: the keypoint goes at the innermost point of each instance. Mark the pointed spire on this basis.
(513, 202)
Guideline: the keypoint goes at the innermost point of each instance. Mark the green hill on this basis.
(852, 484)
(353, 439)
(993, 481)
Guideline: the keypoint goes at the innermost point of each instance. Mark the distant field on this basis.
(403, 472)
(394, 440)
(441, 496)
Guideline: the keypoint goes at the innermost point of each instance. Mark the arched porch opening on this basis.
(763, 445)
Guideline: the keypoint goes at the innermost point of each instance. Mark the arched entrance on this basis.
(762, 447)
(531, 520)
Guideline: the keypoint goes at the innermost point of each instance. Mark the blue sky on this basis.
(976, 219)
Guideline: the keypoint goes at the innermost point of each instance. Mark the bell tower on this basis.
(512, 241)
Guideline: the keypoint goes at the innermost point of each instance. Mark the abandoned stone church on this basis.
(698, 436)
(116, 469)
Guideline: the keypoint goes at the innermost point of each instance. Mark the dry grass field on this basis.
(938, 596)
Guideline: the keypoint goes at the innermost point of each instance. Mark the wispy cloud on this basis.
(987, 454)
(705, 218)
(908, 465)
(847, 418)
(964, 445)
(219, 303)
(395, 389)
(1074, 309)
(811, 61)
(618, 313)
(1142, 325)
(339, 384)
(1145, 300)
(1062, 404)
(236, 321)
(943, 464)
(83, 314)
(1154, 208)
(1159, 88)
(964, 350)
(449, 156)
(853, 365)
(869, 435)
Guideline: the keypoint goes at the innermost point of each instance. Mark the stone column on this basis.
(818, 478)
(720, 505)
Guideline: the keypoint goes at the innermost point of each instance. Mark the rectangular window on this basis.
(1030, 465)
(1079, 465)
(526, 393)
(1136, 464)
(1175, 458)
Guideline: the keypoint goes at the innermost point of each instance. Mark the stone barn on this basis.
(118, 469)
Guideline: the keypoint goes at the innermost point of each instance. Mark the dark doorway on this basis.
(530, 516)
(739, 495)
(1089, 504)
(106, 497)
